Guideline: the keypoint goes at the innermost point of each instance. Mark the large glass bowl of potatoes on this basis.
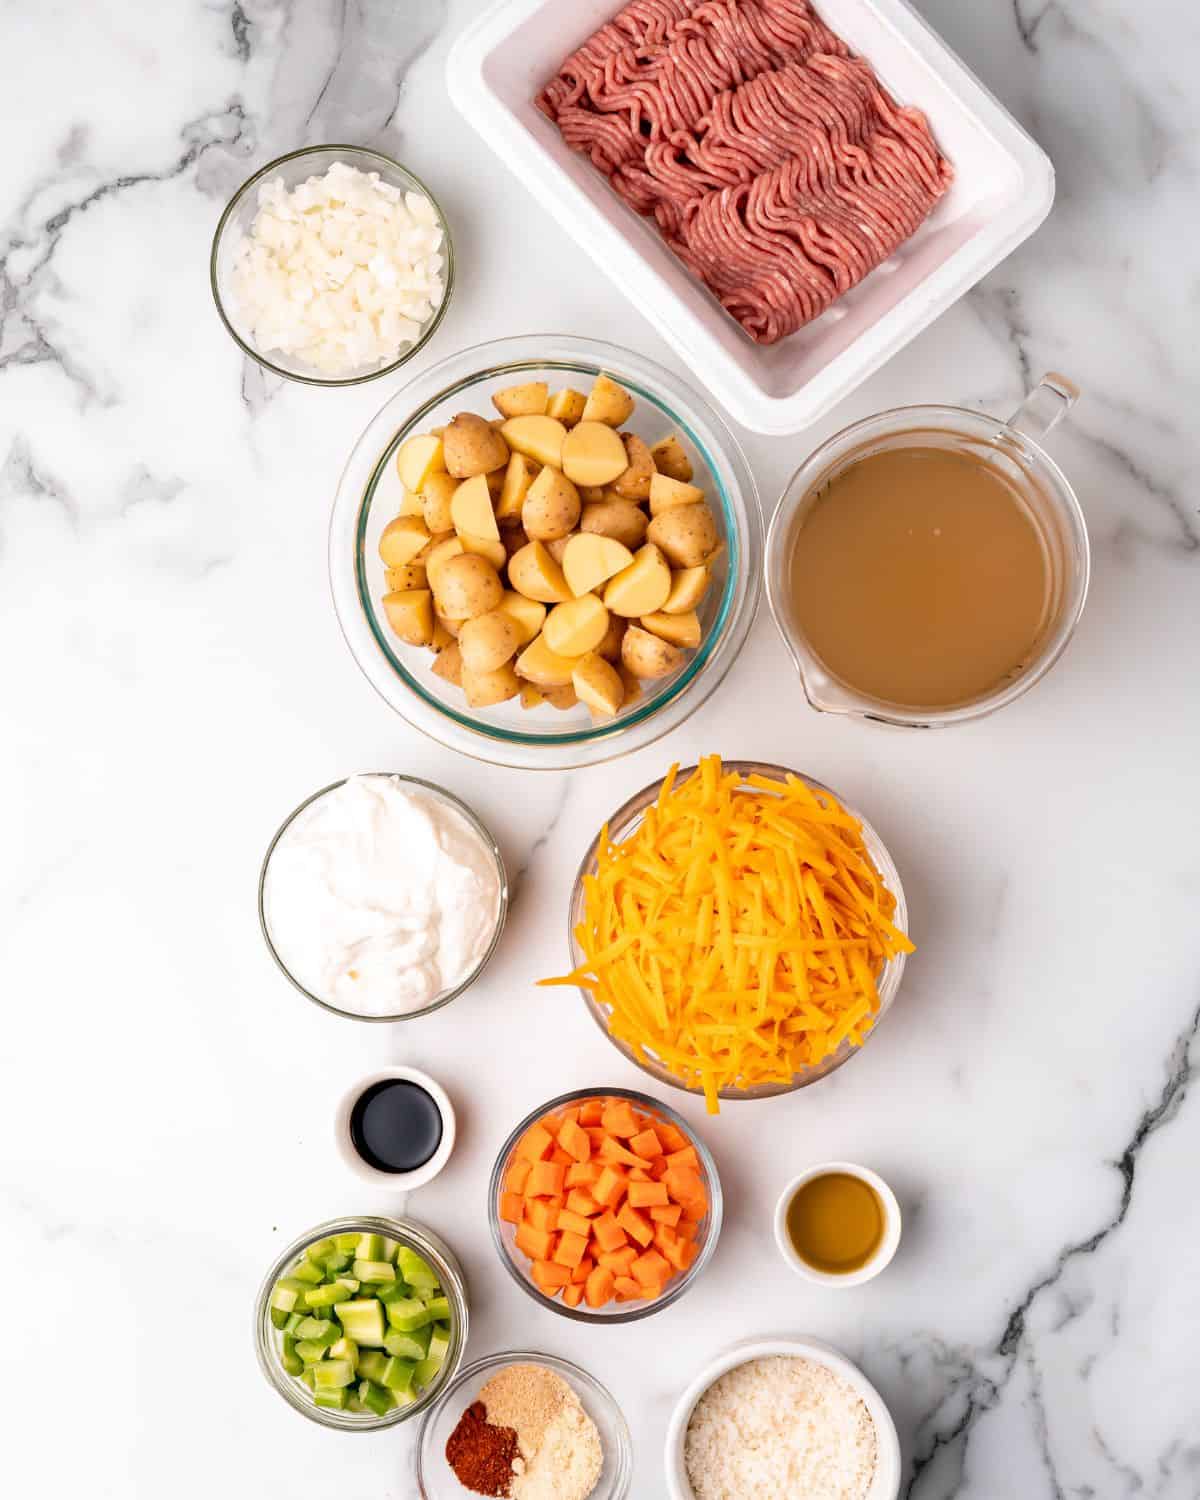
(546, 552)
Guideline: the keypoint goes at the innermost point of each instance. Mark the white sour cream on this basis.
(381, 896)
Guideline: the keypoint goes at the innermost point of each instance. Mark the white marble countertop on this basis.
(174, 682)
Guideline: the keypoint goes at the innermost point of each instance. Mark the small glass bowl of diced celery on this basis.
(361, 1322)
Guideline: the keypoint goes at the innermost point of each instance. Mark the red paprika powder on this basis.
(482, 1455)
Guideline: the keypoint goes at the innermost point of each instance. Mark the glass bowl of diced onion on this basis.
(624, 822)
(404, 296)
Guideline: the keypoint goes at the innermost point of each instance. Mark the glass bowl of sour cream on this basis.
(382, 897)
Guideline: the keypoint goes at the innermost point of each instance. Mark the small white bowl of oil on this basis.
(837, 1224)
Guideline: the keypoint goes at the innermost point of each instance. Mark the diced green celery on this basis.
(398, 1374)
(438, 1308)
(426, 1371)
(320, 1250)
(354, 1404)
(348, 1241)
(279, 1317)
(294, 1321)
(309, 1352)
(344, 1349)
(326, 1296)
(309, 1379)
(337, 1261)
(439, 1341)
(414, 1345)
(369, 1247)
(374, 1270)
(323, 1331)
(393, 1291)
(376, 1398)
(289, 1359)
(390, 1248)
(362, 1320)
(333, 1373)
(371, 1365)
(284, 1297)
(308, 1271)
(351, 1283)
(407, 1314)
(292, 1284)
(336, 1399)
(417, 1271)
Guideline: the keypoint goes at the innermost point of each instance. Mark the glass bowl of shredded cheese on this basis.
(332, 265)
(737, 930)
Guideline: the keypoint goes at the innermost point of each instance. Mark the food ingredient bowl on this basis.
(235, 223)
(436, 1480)
(886, 1483)
(1003, 189)
(624, 821)
(884, 1252)
(369, 496)
(518, 1266)
(268, 1340)
(443, 999)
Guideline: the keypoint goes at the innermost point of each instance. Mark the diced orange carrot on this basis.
(582, 1203)
(687, 1227)
(542, 1213)
(681, 1254)
(511, 1207)
(647, 1195)
(611, 1150)
(609, 1187)
(550, 1124)
(573, 1295)
(659, 1168)
(636, 1225)
(664, 1235)
(671, 1136)
(669, 1215)
(683, 1183)
(583, 1270)
(650, 1267)
(595, 1134)
(563, 1158)
(582, 1173)
(571, 1114)
(535, 1143)
(608, 1232)
(517, 1175)
(570, 1250)
(619, 1119)
(546, 1179)
(646, 1143)
(639, 1174)
(573, 1222)
(548, 1274)
(590, 1111)
(599, 1287)
(627, 1289)
(574, 1140)
(536, 1243)
(618, 1261)
(685, 1158)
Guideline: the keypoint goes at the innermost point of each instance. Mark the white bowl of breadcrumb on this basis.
(778, 1419)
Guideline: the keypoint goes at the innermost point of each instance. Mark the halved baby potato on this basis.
(623, 520)
(448, 665)
(401, 540)
(670, 459)
(468, 585)
(608, 403)
(539, 438)
(576, 627)
(539, 664)
(488, 641)
(593, 454)
(688, 587)
(485, 546)
(483, 689)
(435, 501)
(471, 509)
(518, 476)
(687, 535)
(679, 629)
(567, 405)
(666, 493)
(417, 458)
(528, 615)
(598, 684)
(635, 482)
(551, 508)
(590, 560)
(642, 587)
(410, 614)
(438, 557)
(406, 576)
(534, 573)
(647, 655)
(527, 400)
(472, 446)
(414, 505)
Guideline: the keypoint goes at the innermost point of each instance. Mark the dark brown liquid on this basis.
(919, 578)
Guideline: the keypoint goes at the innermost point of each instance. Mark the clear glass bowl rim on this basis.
(622, 822)
(480, 828)
(564, 1367)
(679, 1284)
(391, 165)
(418, 1237)
(982, 425)
(742, 509)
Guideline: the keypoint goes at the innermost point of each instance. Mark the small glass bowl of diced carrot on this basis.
(604, 1203)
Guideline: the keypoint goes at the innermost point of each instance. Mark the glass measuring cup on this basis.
(1013, 450)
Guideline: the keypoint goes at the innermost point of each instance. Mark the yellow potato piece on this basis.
(539, 438)
(686, 534)
(642, 587)
(666, 493)
(410, 614)
(417, 458)
(647, 655)
(679, 629)
(610, 647)
(534, 573)
(599, 685)
(483, 689)
(540, 665)
(472, 446)
(635, 482)
(485, 546)
(567, 405)
(401, 540)
(670, 459)
(518, 476)
(414, 505)
(576, 627)
(591, 559)
(471, 509)
(688, 587)
(442, 635)
(530, 696)
(435, 501)
(438, 557)
(468, 586)
(449, 664)
(608, 403)
(623, 520)
(488, 641)
(561, 697)
(527, 400)
(406, 576)
(551, 508)
(527, 613)
(593, 454)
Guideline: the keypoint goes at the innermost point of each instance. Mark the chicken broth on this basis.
(920, 578)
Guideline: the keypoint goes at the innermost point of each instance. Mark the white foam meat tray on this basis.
(1003, 189)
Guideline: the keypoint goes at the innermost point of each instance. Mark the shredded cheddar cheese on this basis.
(737, 934)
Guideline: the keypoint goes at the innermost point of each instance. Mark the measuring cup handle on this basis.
(1045, 406)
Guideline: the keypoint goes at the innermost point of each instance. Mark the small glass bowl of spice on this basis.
(527, 1426)
(837, 1224)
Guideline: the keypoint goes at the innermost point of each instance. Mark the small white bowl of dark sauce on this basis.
(395, 1128)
